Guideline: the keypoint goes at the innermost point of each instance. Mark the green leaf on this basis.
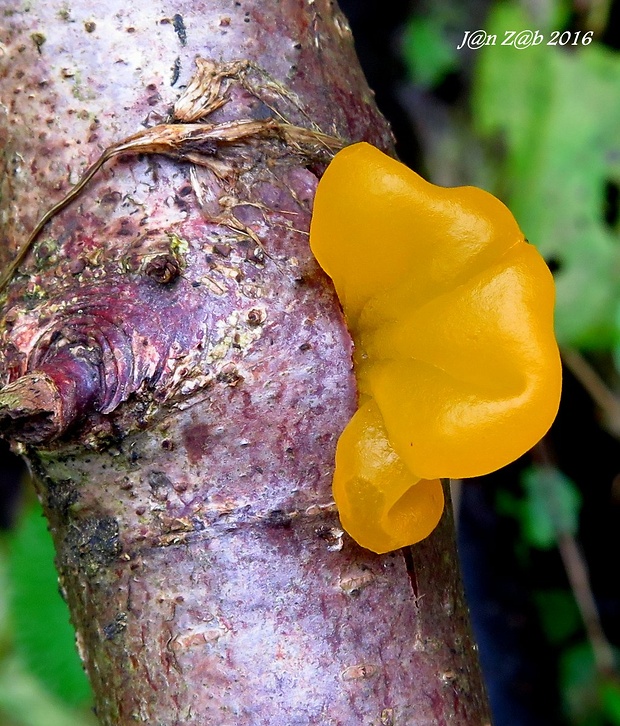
(610, 700)
(44, 637)
(589, 698)
(616, 348)
(561, 147)
(559, 614)
(552, 503)
(428, 53)
(578, 684)
(24, 701)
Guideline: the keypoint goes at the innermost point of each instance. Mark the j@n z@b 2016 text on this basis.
(520, 39)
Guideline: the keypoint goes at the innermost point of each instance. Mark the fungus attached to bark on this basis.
(451, 312)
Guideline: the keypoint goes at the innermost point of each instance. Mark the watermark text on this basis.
(474, 39)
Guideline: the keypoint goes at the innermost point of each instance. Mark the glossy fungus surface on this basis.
(451, 312)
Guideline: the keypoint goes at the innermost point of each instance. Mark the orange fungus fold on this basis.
(451, 313)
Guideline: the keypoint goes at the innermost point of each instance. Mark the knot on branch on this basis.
(105, 344)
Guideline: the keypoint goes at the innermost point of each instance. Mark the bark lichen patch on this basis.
(161, 485)
(38, 39)
(60, 497)
(45, 253)
(237, 332)
(81, 90)
(91, 544)
(115, 627)
(162, 258)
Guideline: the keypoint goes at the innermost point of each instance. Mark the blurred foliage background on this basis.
(539, 126)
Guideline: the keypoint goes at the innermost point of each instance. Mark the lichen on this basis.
(45, 253)
(179, 247)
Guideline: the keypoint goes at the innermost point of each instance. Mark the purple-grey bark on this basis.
(177, 372)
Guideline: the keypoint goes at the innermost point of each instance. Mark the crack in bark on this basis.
(410, 565)
(182, 530)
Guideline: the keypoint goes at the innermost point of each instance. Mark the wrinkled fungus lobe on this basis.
(451, 312)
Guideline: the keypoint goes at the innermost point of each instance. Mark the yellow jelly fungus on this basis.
(451, 313)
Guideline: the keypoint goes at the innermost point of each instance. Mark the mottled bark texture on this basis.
(176, 370)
